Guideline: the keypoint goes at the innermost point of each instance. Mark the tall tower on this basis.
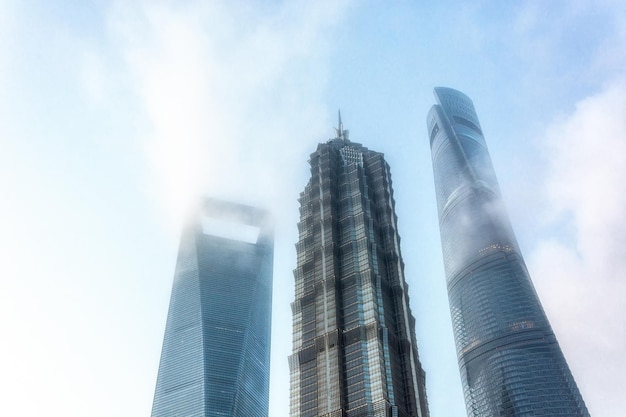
(354, 347)
(216, 351)
(509, 358)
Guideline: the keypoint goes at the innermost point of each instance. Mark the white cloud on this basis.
(225, 90)
(94, 81)
(231, 99)
(580, 278)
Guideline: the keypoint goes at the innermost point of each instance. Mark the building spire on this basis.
(339, 132)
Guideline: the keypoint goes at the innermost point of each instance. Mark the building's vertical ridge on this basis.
(354, 347)
(216, 350)
(509, 358)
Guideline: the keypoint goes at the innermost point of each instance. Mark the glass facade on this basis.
(509, 358)
(354, 347)
(216, 350)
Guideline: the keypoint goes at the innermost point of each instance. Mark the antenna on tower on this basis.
(339, 132)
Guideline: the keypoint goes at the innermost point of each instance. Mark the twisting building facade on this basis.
(509, 358)
(216, 350)
(354, 347)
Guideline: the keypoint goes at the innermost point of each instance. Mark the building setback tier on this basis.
(354, 347)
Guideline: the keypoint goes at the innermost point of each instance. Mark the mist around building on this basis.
(116, 116)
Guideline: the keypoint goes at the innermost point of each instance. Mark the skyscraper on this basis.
(216, 351)
(354, 347)
(509, 358)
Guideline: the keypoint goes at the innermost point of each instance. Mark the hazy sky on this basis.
(114, 115)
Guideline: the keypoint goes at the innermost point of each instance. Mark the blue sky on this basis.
(114, 115)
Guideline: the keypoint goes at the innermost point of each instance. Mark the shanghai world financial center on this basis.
(216, 350)
(354, 349)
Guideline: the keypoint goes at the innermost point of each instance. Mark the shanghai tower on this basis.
(354, 346)
(509, 358)
(216, 350)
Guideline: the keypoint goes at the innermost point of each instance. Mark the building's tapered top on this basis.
(441, 93)
(454, 101)
(454, 107)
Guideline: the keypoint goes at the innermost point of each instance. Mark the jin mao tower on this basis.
(216, 350)
(354, 347)
(509, 358)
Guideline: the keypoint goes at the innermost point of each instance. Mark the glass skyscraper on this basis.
(354, 347)
(216, 351)
(509, 358)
